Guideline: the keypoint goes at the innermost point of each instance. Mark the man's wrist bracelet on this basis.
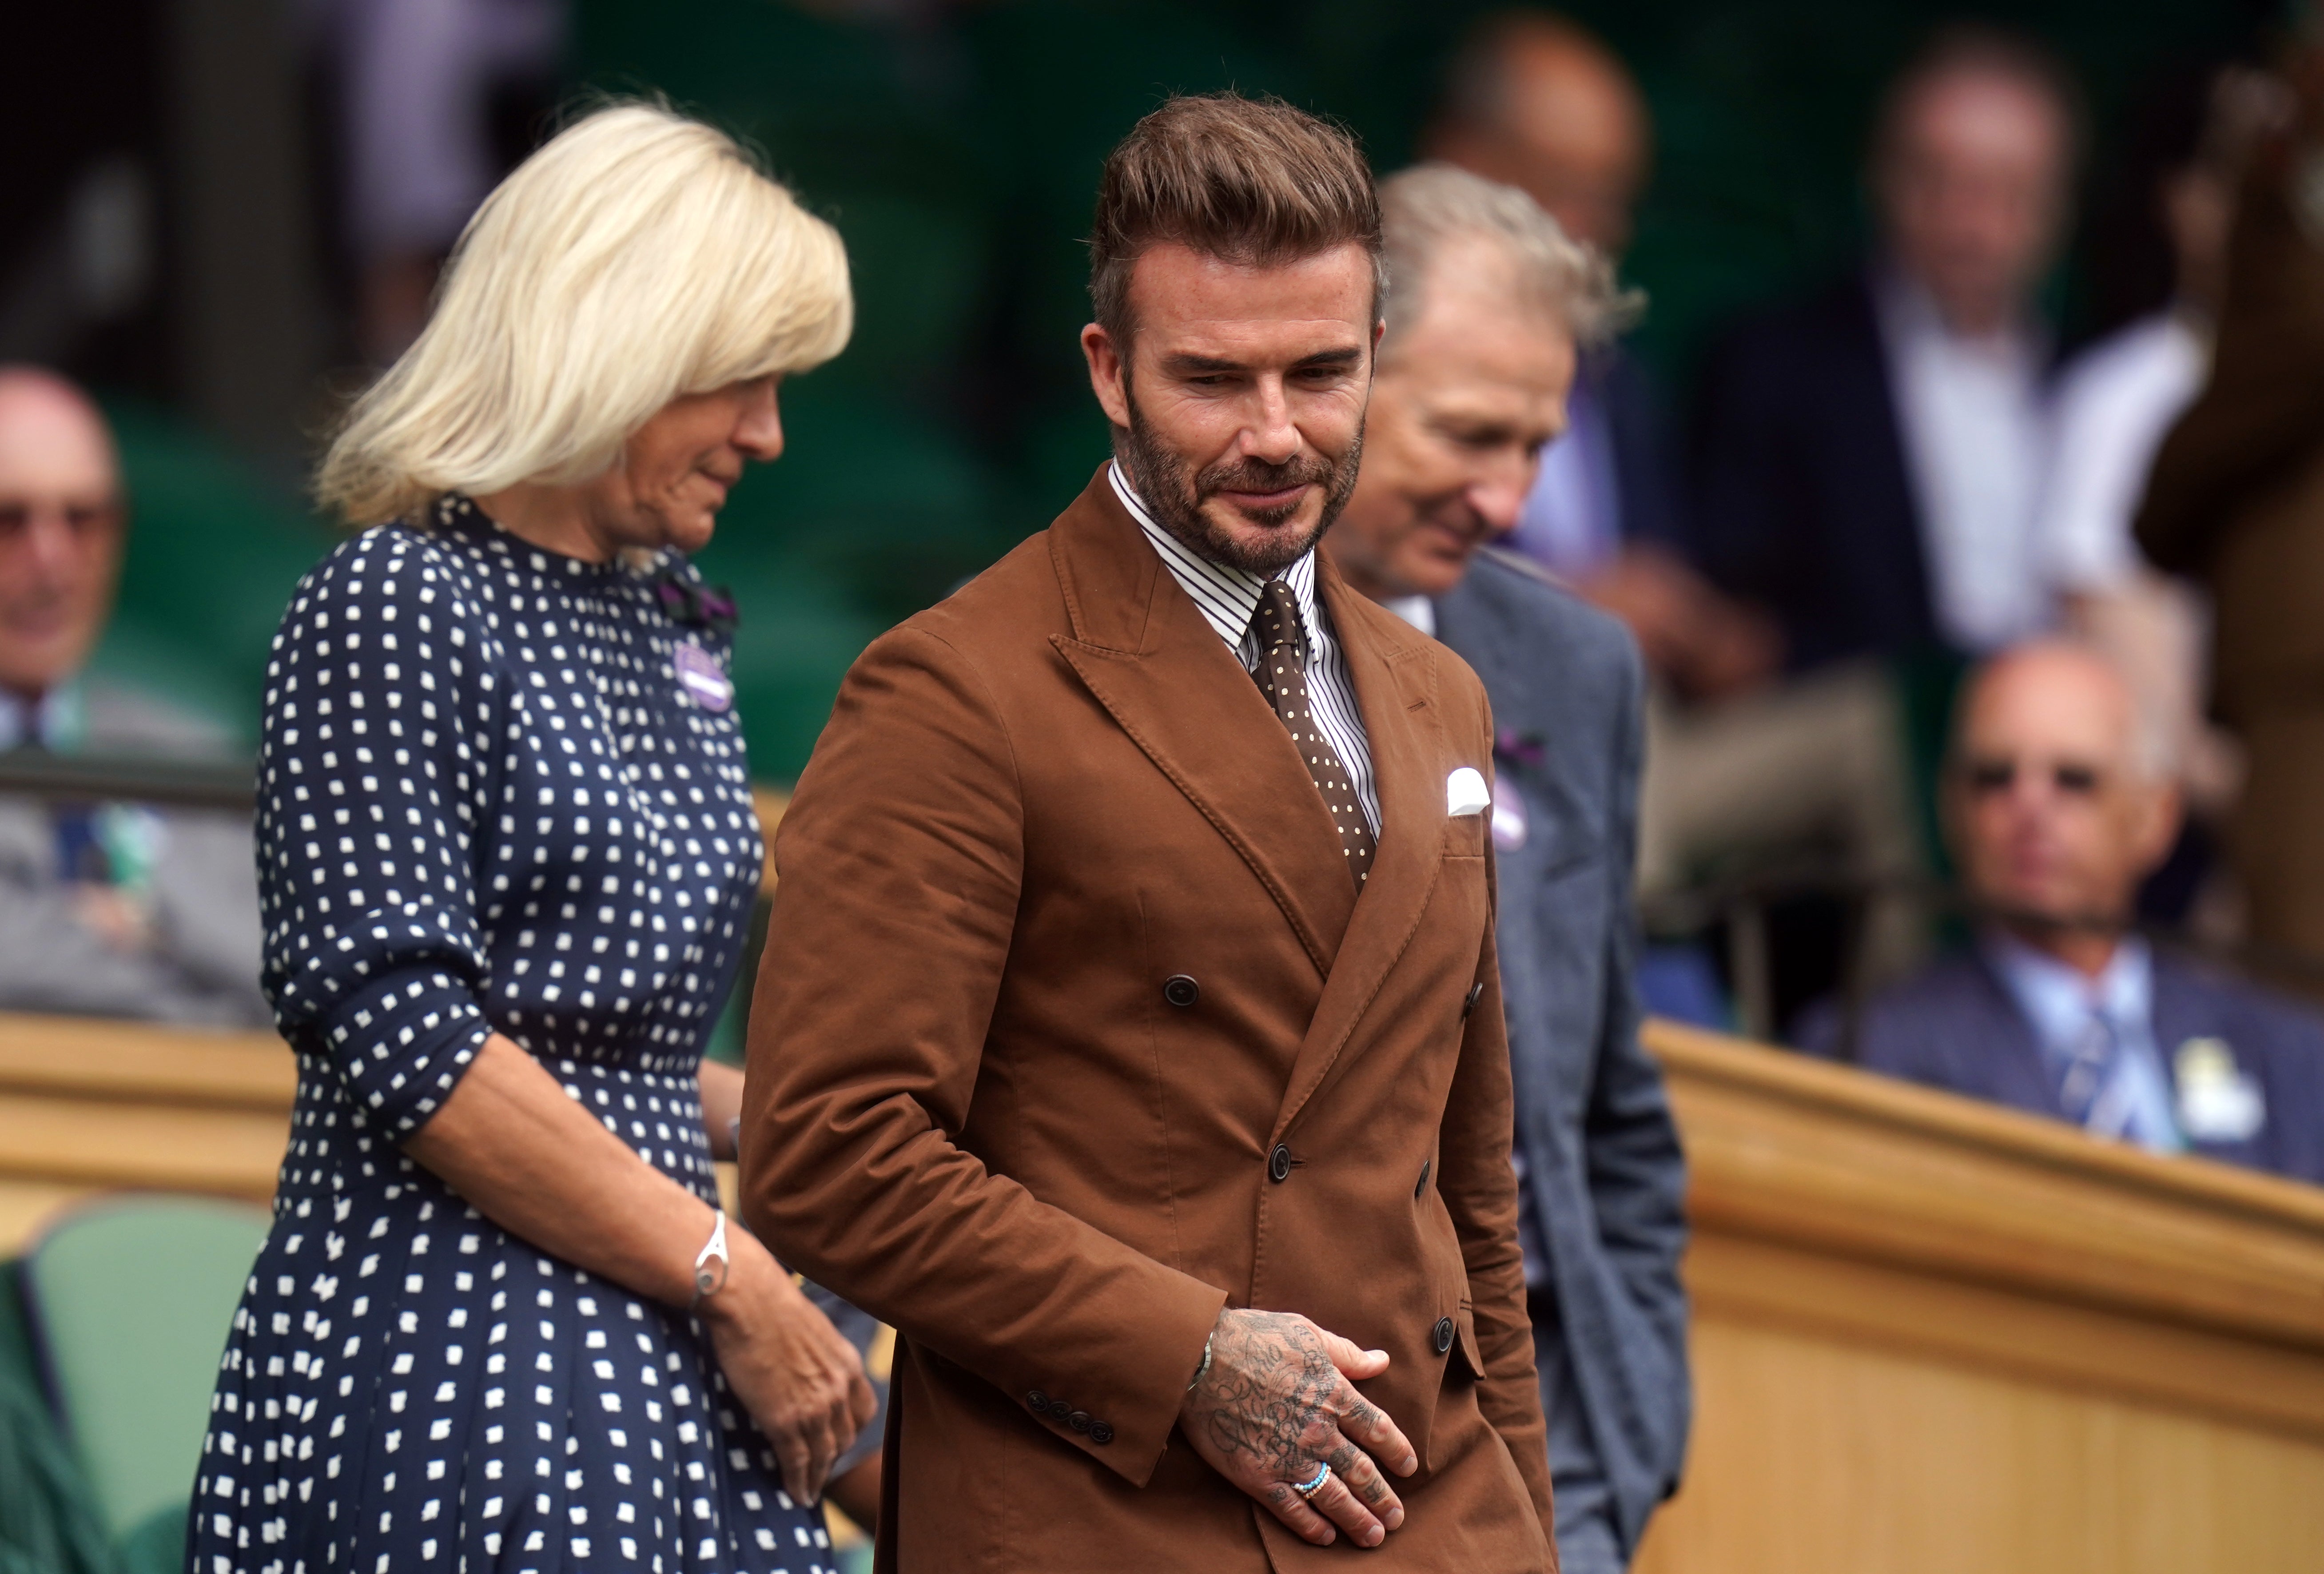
(1203, 1370)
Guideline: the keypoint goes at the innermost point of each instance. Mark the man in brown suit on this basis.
(1129, 1031)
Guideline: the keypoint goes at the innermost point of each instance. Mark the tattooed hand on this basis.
(1276, 1401)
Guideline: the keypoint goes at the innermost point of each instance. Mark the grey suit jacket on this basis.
(202, 968)
(1602, 1159)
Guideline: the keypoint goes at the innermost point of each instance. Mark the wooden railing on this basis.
(88, 1105)
(1932, 1335)
(1929, 1335)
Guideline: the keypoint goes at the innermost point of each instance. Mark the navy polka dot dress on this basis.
(497, 792)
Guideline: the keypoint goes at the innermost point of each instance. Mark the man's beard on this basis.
(1173, 493)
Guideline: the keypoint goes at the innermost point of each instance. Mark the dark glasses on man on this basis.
(2069, 778)
(17, 514)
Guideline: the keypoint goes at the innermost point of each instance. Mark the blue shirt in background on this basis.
(2065, 1008)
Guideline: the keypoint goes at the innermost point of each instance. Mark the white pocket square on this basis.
(1465, 794)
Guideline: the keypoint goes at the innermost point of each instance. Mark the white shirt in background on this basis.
(54, 723)
(2115, 403)
(1975, 433)
(1417, 610)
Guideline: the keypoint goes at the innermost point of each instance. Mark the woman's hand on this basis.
(797, 1375)
(540, 1166)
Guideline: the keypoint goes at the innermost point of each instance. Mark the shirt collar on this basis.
(1908, 315)
(2058, 1000)
(1227, 597)
(55, 722)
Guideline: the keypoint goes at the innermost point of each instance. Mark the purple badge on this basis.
(699, 674)
(1509, 820)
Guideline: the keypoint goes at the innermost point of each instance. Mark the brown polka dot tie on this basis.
(1282, 676)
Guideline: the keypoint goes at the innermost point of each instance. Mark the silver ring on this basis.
(1314, 1484)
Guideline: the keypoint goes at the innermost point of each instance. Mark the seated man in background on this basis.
(2059, 800)
(1868, 461)
(107, 910)
(1490, 304)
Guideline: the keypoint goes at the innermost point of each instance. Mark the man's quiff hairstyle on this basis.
(1430, 207)
(1254, 182)
(638, 257)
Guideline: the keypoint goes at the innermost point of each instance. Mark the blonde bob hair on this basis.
(638, 257)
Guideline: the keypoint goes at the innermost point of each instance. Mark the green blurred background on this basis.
(957, 151)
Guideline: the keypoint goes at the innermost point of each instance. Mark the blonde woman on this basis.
(507, 856)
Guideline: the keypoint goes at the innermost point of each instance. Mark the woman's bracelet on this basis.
(708, 1280)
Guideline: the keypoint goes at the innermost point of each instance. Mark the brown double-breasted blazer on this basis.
(1071, 1030)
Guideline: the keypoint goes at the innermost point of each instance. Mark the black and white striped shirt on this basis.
(1228, 597)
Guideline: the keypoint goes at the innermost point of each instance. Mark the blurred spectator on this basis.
(2118, 399)
(426, 91)
(1735, 770)
(2059, 800)
(111, 909)
(1491, 304)
(2237, 500)
(1870, 461)
(1535, 101)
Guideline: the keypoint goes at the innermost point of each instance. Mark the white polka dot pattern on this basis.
(486, 803)
(1282, 676)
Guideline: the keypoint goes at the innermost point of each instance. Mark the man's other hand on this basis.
(1276, 1401)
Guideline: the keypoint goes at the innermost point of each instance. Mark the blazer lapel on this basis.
(1395, 674)
(2010, 1053)
(1145, 654)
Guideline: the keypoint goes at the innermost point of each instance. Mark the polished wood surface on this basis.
(1930, 1334)
(88, 1105)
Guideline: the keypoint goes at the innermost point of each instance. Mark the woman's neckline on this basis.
(465, 507)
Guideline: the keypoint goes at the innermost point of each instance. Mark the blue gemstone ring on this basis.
(1314, 1484)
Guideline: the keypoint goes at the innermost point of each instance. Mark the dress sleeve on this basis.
(374, 777)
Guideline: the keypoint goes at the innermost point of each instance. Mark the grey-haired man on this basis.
(1493, 299)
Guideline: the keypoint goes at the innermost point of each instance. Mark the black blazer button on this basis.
(1100, 1433)
(1181, 991)
(1421, 1185)
(1039, 1401)
(1443, 1335)
(1278, 1164)
(1079, 1421)
(1476, 993)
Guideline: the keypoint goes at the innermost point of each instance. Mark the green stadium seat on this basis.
(131, 1299)
(48, 1525)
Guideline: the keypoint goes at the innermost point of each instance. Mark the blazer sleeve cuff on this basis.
(1123, 1420)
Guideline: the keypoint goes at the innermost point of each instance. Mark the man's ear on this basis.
(1108, 375)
